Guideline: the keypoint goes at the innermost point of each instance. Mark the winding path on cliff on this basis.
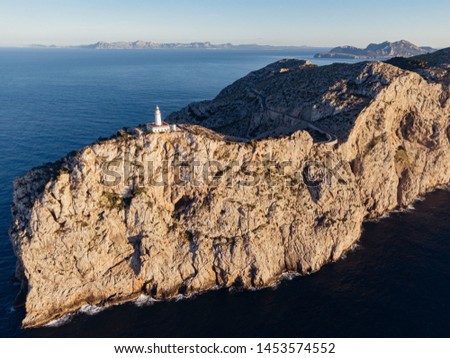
(331, 138)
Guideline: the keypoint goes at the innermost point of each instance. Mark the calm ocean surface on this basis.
(52, 101)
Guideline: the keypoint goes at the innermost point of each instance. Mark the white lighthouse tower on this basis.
(159, 126)
(158, 120)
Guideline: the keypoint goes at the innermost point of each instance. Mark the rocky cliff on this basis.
(274, 175)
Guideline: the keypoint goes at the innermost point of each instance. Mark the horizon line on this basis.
(53, 45)
(158, 43)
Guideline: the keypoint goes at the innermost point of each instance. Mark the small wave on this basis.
(290, 275)
(285, 276)
(91, 310)
(144, 300)
(398, 211)
(60, 321)
(406, 209)
(355, 246)
(181, 297)
(386, 215)
(445, 187)
(276, 284)
(234, 289)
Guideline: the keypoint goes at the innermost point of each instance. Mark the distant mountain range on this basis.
(124, 45)
(383, 50)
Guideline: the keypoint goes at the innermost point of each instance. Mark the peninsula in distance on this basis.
(385, 49)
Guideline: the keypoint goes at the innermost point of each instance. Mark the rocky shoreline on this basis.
(184, 212)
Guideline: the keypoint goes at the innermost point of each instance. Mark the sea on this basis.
(394, 283)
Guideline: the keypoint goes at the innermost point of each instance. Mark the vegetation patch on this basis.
(114, 201)
(402, 157)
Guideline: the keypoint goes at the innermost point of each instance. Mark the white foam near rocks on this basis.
(91, 310)
(61, 321)
(384, 216)
(407, 209)
(445, 187)
(144, 300)
(354, 247)
(285, 276)
(290, 275)
(180, 297)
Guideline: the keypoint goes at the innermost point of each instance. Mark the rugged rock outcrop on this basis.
(187, 211)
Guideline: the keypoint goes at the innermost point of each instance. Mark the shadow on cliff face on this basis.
(136, 262)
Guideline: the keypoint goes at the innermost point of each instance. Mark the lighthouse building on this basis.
(159, 125)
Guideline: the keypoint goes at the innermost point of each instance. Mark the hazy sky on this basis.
(277, 22)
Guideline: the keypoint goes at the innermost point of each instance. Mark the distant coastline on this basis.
(149, 45)
(383, 50)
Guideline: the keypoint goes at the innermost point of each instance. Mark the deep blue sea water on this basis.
(52, 101)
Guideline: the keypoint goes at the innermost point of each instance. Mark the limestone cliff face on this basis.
(187, 211)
